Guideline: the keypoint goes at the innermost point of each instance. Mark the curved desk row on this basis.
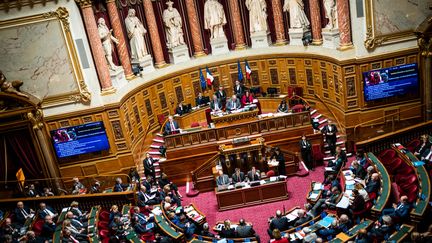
(385, 190)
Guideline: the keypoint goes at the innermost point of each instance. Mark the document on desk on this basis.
(326, 222)
(317, 186)
(313, 195)
(343, 203)
(328, 169)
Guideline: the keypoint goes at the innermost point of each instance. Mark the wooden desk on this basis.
(237, 198)
(270, 104)
(234, 118)
(186, 120)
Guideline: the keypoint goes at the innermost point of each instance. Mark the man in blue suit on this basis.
(171, 127)
(400, 210)
(45, 210)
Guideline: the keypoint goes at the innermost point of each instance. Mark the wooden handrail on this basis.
(333, 114)
(383, 117)
(203, 165)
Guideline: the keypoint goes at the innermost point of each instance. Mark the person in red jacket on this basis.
(247, 98)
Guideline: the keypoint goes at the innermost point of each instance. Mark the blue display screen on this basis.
(82, 139)
(390, 82)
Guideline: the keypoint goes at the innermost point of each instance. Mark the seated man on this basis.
(201, 100)
(374, 184)
(187, 227)
(167, 192)
(138, 227)
(78, 187)
(8, 229)
(206, 231)
(140, 217)
(181, 109)
(117, 228)
(145, 198)
(381, 231)
(302, 218)
(253, 175)
(279, 222)
(357, 202)
(45, 210)
(119, 187)
(216, 104)
(399, 211)
(244, 231)
(233, 104)
(171, 127)
(78, 214)
(75, 222)
(427, 155)
(48, 228)
(79, 234)
(337, 226)
(227, 231)
(22, 213)
(326, 203)
(222, 179)
(358, 170)
(238, 176)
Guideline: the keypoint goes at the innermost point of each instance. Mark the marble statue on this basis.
(135, 31)
(173, 26)
(257, 15)
(11, 87)
(330, 13)
(298, 17)
(106, 37)
(214, 19)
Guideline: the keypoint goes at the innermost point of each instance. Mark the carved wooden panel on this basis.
(163, 100)
(117, 130)
(352, 103)
(90, 170)
(254, 128)
(179, 93)
(211, 135)
(221, 134)
(234, 77)
(64, 123)
(113, 113)
(216, 83)
(195, 138)
(187, 140)
(326, 95)
(324, 79)
(349, 69)
(264, 126)
(272, 125)
(148, 107)
(203, 137)
(121, 146)
(274, 76)
(336, 83)
(137, 115)
(311, 91)
(351, 86)
(196, 88)
(87, 119)
(376, 65)
(309, 77)
(255, 78)
(292, 75)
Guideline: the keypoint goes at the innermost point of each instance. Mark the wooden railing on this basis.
(403, 136)
(260, 126)
(202, 176)
(340, 125)
(292, 161)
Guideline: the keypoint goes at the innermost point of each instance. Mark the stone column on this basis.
(195, 28)
(278, 22)
(237, 25)
(154, 34)
(344, 24)
(96, 46)
(118, 33)
(425, 45)
(316, 24)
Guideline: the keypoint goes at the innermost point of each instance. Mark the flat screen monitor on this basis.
(82, 139)
(391, 82)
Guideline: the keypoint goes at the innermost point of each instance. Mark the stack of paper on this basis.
(313, 195)
(343, 203)
(317, 186)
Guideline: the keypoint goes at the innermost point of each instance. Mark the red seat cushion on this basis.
(405, 178)
(413, 145)
(104, 233)
(298, 108)
(103, 225)
(395, 192)
(387, 155)
(195, 124)
(393, 165)
(104, 216)
(37, 227)
(270, 173)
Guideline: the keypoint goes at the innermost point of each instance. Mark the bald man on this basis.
(400, 210)
(279, 222)
(374, 184)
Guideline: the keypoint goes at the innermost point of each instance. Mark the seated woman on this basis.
(165, 181)
(114, 211)
(247, 98)
(283, 107)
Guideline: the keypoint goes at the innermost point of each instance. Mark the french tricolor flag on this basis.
(248, 70)
(210, 77)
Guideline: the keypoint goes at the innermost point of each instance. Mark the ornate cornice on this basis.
(84, 96)
(425, 45)
(61, 14)
(84, 3)
(371, 42)
(36, 119)
(9, 4)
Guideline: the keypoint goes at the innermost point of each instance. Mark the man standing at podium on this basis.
(222, 179)
(171, 127)
(233, 104)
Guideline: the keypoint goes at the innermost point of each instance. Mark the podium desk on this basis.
(234, 118)
(197, 115)
(254, 195)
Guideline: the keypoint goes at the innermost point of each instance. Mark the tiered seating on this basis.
(401, 234)
(384, 193)
(342, 237)
(166, 226)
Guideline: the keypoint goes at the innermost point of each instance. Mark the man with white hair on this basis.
(206, 231)
(279, 222)
(302, 218)
(374, 184)
(400, 210)
(171, 127)
(382, 230)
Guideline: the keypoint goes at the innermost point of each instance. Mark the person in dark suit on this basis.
(244, 230)
(48, 228)
(306, 152)
(233, 104)
(149, 169)
(238, 176)
(119, 186)
(278, 156)
(171, 127)
(357, 203)
(145, 198)
(427, 155)
(187, 227)
(337, 226)
(75, 222)
(283, 107)
(216, 104)
(201, 100)
(32, 192)
(238, 89)
(222, 179)
(181, 109)
(329, 132)
(114, 212)
(221, 95)
(358, 170)
(227, 231)
(381, 230)
(303, 217)
(324, 203)
(425, 144)
(247, 98)
(374, 184)
(45, 210)
(279, 222)
(400, 210)
(206, 231)
(22, 213)
(253, 174)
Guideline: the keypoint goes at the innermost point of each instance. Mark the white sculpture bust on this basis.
(135, 30)
(257, 15)
(106, 38)
(330, 13)
(298, 18)
(173, 26)
(214, 19)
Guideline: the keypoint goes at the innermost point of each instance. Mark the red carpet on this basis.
(298, 187)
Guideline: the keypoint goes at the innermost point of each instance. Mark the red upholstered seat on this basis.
(298, 108)
(103, 225)
(387, 155)
(405, 170)
(372, 196)
(317, 154)
(104, 216)
(412, 197)
(395, 192)
(104, 234)
(393, 165)
(413, 145)
(405, 178)
(147, 237)
(407, 188)
(363, 212)
(270, 173)
(37, 227)
(195, 124)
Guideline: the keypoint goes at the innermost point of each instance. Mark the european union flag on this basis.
(240, 72)
(203, 81)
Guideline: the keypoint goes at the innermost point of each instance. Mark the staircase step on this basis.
(158, 140)
(329, 158)
(322, 121)
(154, 146)
(313, 111)
(154, 153)
(317, 116)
